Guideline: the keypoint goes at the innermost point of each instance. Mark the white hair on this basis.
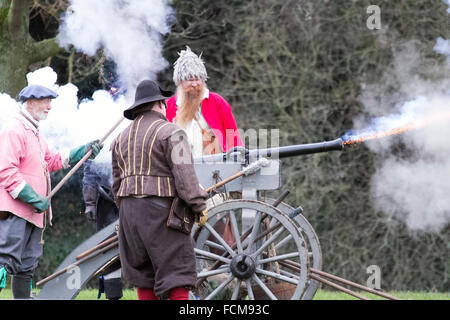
(188, 66)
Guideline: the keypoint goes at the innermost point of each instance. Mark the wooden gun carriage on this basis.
(271, 251)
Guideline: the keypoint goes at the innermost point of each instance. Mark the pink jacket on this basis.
(21, 152)
(218, 115)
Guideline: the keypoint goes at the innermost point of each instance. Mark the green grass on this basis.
(404, 295)
(320, 295)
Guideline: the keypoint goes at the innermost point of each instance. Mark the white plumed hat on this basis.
(187, 66)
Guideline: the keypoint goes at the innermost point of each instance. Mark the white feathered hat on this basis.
(187, 66)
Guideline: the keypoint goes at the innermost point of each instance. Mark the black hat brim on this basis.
(128, 113)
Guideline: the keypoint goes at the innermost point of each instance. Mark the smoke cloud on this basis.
(69, 123)
(411, 186)
(128, 31)
(130, 34)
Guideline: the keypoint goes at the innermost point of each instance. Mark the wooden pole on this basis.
(76, 263)
(344, 281)
(98, 246)
(107, 265)
(296, 267)
(336, 286)
(350, 283)
(80, 163)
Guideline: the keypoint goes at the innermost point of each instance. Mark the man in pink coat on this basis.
(25, 166)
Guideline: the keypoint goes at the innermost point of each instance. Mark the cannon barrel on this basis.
(280, 152)
(298, 149)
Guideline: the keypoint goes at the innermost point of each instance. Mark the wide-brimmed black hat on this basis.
(147, 91)
(36, 91)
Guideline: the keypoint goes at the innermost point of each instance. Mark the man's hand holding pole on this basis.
(90, 149)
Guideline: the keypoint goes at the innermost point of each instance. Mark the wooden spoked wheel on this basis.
(250, 264)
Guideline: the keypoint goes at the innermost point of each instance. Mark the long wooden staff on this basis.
(80, 163)
(250, 169)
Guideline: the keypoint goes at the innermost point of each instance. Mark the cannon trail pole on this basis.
(76, 263)
(319, 276)
(79, 163)
(250, 169)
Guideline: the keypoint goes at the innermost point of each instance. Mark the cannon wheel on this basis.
(252, 267)
(314, 250)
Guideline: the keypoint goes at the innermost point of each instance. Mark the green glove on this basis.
(2, 278)
(77, 153)
(30, 196)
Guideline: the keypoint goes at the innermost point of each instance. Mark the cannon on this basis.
(254, 263)
(270, 252)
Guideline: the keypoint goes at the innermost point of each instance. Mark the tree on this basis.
(18, 49)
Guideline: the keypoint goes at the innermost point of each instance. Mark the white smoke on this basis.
(9, 108)
(69, 123)
(443, 46)
(413, 187)
(128, 31)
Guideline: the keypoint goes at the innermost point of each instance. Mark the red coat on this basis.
(217, 113)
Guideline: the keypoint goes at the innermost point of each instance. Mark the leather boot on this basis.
(21, 286)
(113, 288)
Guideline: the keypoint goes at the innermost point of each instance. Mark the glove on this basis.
(77, 153)
(3, 274)
(28, 195)
(203, 218)
(90, 213)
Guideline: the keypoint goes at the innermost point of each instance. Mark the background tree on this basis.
(18, 49)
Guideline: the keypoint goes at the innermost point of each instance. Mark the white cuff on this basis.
(15, 193)
(65, 157)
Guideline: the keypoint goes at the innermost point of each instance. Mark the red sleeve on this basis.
(233, 138)
(171, 110)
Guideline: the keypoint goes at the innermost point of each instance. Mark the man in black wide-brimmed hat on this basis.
(152, 163)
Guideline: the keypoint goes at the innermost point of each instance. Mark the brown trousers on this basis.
(152, 255)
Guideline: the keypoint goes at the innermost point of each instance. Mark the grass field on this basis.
(320, 295)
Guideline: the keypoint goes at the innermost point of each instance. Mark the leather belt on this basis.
(161, 201)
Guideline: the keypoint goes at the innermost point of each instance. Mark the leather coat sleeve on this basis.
(115, 175)
(179, 158)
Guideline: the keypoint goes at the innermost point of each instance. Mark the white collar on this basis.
(28, 120)
(205, 96)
